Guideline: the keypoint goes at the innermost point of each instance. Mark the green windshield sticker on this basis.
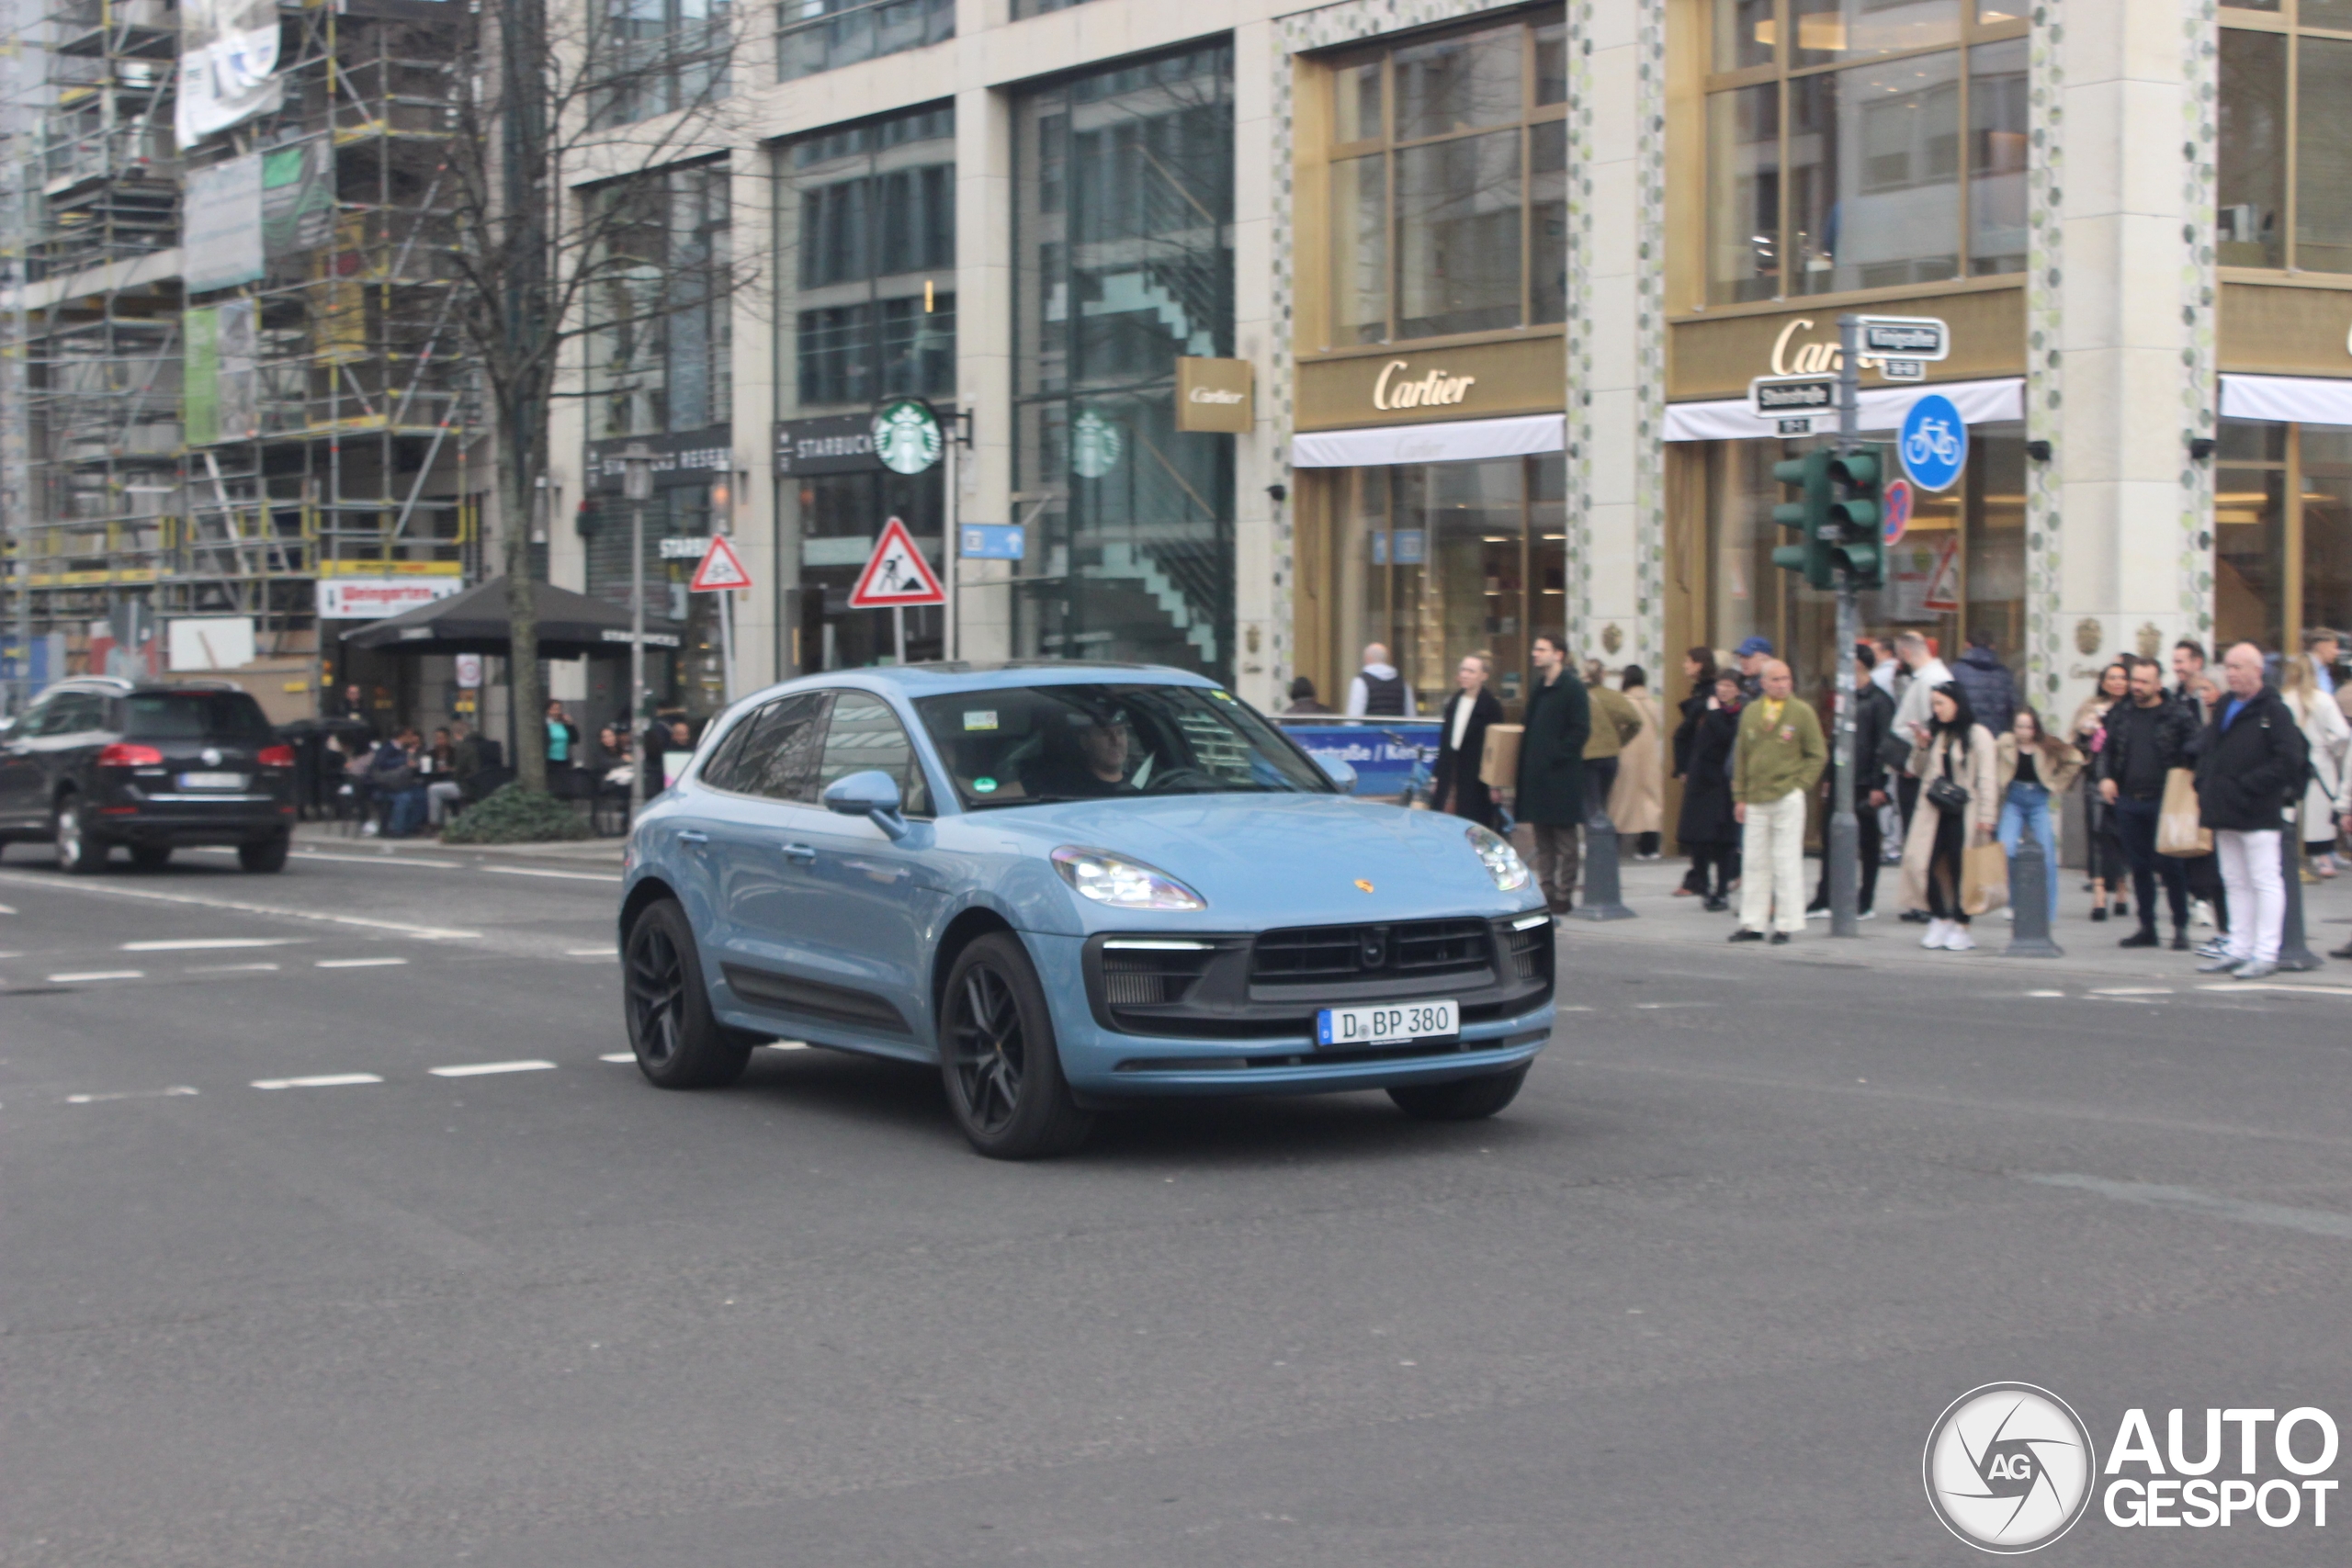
(979, 718)
(984, 787)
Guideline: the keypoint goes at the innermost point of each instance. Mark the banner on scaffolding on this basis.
(296, 197)
(228, 66)
(342, 303)
(218, 397)
(224, 239)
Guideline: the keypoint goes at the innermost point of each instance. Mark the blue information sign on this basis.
(1934, 442)
(991, 541)
(1385, 753)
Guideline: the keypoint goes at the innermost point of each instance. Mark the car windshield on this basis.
(1028, 745)
(195, 715)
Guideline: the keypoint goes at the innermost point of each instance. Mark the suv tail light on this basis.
(121, 756)
(275, 756)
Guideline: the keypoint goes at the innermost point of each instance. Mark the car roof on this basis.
(119, 686)
(931, 680)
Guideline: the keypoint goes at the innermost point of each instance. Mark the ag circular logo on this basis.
(2009, 1467)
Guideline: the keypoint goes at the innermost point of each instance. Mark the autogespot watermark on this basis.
(2009, 1467)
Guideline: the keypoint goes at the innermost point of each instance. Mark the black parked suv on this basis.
(100, 761)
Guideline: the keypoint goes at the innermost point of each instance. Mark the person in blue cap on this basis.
(1752, 655)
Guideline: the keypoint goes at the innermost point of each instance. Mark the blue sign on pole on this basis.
(1934, 442)
(992, 541)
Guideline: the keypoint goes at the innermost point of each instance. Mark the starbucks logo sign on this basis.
(1095, 445)
(906, 435)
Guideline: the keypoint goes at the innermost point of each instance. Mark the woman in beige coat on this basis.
(1953, 747)
(1637, 800)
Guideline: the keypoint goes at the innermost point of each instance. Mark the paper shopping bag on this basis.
(1499, 764)
(2177, 833)
(1983, 878)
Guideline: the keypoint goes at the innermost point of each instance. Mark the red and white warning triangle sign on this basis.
(896, 575)
(720, 568)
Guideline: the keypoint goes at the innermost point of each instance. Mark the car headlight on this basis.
(1123, 883)
(1502, 862)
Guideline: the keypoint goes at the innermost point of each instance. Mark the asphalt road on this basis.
(1696, 1299)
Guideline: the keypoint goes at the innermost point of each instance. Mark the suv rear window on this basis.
(195, 715)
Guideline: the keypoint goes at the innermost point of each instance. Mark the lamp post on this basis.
(637, 488)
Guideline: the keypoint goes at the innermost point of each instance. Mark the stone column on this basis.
(985, 280)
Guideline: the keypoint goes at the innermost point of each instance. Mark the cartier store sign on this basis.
(1716, 356)
(1399, 386)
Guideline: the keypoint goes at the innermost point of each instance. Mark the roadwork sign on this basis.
(896, 575)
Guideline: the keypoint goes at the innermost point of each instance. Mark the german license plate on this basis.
(1384, 1025)
(212, 781)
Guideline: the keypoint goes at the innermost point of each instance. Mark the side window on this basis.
(779, 758)
(867, 736)
(37, 716)
(73, 713)
(724, 769)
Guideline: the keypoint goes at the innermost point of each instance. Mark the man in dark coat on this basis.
(2252, 761)
(1550, 797)
(1873, 722)
(2147, 735)
(1991, 690)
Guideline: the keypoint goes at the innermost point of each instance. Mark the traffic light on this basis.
(1809, 515)
(1856, 511)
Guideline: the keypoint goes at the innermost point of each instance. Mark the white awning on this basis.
(1883, 408)
(1455, 441)
(2302, 400)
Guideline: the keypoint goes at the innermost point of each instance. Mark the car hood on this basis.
(1264, 860)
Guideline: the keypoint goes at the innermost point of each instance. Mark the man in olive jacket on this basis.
(1550, 794)
(1776, 762)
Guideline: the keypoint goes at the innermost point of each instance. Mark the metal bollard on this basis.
(1603, 900)
(2294, 952)
(2029, 933)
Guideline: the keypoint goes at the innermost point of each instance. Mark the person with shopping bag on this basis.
(2145, 739)
(2251, 764)
(1955, 759)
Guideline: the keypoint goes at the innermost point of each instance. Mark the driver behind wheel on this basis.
(1085, 756)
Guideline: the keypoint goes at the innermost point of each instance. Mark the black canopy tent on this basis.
(569, 625)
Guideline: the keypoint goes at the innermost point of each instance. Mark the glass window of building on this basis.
(656, 56)
(1449, 184)
(2285, 171)
(657, 344)
(1439, 559)
(1959, 568)
(823, 35)
(1039, 8)
(2282, 532)
(1123, 263)
(1863, 144)
(865, 268)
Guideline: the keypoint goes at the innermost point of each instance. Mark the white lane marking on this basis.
(320, 1080)
(591, 952)
(2259, 985)
(201, 943)
(567, 876)
(477, 1069)
(2317, 1222)
(380, 859)
(1652, 1007)
(129, 1094)
(7, 909)
(618, 1056)
(356, 963)
(97, 975)
(787, 1045)
(232, 969)
(2131, 990)
(427, 933)
(2045, 993)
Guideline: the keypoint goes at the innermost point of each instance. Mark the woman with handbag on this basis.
(1955, 759)
(1462, 743)
(2108, 867)
(2031, 770)
(1707, 827)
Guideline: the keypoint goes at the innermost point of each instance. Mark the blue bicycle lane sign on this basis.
(1934, 442)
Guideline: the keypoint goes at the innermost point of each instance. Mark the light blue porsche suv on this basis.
(1070, 886)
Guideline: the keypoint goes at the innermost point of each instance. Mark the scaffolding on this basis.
(219, 450)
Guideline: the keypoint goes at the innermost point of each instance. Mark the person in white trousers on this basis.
(1776, 762)
(2251, 759)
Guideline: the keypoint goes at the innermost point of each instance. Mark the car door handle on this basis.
(799, 852)
(689, 836)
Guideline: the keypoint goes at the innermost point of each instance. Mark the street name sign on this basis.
(1793, 396)
(1905, 337)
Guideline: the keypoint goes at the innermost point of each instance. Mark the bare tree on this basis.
(560, 117)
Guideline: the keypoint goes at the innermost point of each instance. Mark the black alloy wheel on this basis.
(679, 1045)
(1003, 1075)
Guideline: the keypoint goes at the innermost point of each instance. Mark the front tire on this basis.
(1463, 1100)
(997, 1056)
(679, 1045)
(78, 852)
(268, 855)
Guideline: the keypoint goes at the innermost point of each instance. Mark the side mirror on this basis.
(1340, 772)
(872, 794)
